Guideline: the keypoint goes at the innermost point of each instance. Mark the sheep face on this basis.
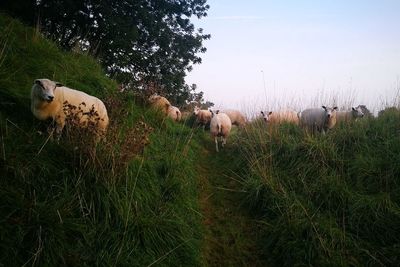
(214, 113)
(330, 118)
(45, 89)
(266, 116)
(357, 112)
(329, 112)
(196, 111)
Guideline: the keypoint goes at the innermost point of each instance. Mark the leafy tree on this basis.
(135, 40)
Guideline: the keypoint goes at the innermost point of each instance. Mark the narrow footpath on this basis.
(230, 234)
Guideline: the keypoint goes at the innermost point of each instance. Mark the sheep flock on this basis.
(52, 100)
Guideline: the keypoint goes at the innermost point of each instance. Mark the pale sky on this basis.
(308, 53)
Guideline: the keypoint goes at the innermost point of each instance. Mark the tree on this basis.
(135, 40)
(23, 9)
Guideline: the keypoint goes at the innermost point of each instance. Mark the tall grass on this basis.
(129, 200)
(325, 200)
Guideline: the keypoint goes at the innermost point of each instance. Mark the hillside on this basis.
(155, 192)
(131, 201)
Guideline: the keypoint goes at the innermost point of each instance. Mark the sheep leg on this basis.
(59, 129)
(216, 143)
(223, 141)
(60, 123)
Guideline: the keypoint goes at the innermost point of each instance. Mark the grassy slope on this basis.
(67, 204)
(326, 200)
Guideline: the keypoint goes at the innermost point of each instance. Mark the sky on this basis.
(273, 54)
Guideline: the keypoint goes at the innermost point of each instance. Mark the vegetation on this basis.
(229, 230)
(128, 201)
(325, 200)
(136, 41)
(155, 192)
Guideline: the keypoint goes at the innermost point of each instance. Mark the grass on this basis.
(325, 200)
(155, 192)
(229, 231)
(131, 200)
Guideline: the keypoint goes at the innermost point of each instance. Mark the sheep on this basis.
(347, 116)
(365, 111)
(316, 119)
(237, 118)
(203, 116)
(174, 113)
(48, 99)
(160, 102)
(282, 116)
(220, 126)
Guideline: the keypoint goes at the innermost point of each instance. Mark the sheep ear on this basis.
(353, 108)
(269, 113)
(324, 107)
(38, 82)
(335, 108)
(59, 84)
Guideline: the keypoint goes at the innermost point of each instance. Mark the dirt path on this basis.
(229, 232)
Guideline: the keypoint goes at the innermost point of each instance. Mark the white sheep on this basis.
(317, 119)
(220, 126)
(160, 102)
(279, 117)
(351, 115)
(174, 113)
(203, 116)
(48, 99)
(237, 118)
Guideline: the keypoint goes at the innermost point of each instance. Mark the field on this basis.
(155, 192)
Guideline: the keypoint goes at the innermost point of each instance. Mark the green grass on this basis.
(120, 203)
(140, 197)
(325, 200)
(229, 235)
